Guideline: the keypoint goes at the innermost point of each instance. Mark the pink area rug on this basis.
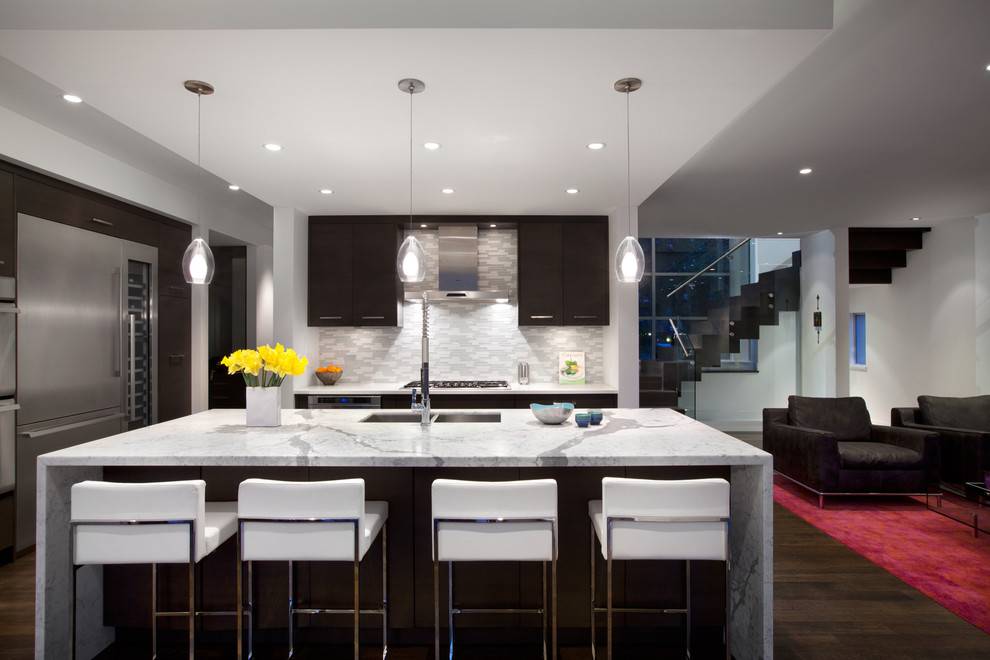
(937, 556)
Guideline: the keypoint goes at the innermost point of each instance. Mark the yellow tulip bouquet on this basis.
(266, 366)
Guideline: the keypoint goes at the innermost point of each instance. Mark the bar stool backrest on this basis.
(666, 519)
(300, 520)
(137, 523)
(473, 520)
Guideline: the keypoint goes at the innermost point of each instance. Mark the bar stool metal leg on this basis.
(357, 592)
(728, 611)
(608, 590)
(687, 607)
(436, 604)
(192, 607)
(385, 590)
(292, 606)
(154, 611)
(543, 566)
(553, 604)
(250, 599)
(593, 623)
(450, 607)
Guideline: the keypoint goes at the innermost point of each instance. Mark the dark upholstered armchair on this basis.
(963, 426)
(830, 447)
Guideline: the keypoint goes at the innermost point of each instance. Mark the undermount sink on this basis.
(440, 418)
(407, 417)
(458, 418)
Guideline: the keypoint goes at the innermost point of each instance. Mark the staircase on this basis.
(875, 251)
(740, 317)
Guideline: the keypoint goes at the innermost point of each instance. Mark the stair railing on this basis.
(707, 268)
(677, 336)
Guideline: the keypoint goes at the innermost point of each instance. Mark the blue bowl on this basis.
(552, 414)
(596, 417)
(582, 419)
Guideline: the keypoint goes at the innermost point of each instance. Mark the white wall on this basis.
(981, 293)
(735, 401)
(818, 273)
(921, 330)
(289, 265)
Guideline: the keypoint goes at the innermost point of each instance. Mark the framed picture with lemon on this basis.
(264, 369)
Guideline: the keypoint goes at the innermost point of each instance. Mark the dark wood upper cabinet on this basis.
(172, 244)
(540, 273)
(563, 273)
(174, 364)
(331, 259)
(8, 244)
(375, 285)
(586, 273)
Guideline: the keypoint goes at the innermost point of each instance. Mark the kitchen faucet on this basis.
(424, 371)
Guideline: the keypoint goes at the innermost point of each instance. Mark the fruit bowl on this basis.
(556, 413)
(329, 377)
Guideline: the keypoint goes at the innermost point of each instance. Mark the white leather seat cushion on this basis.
(663, 540)
(291, 541)
(501, 541)
(221, 524)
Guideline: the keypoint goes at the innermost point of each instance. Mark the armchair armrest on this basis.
(903, 416)
(809, 456)
(924, 442)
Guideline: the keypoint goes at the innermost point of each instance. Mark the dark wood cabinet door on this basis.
(172, 244)
(174, 366)
(8, 244)
(375, 283)
(540, 273)
(586, 273)
(331, 255)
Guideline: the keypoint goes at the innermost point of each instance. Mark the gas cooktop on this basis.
(462, 384)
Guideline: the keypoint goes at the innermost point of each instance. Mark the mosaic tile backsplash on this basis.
(467, 341)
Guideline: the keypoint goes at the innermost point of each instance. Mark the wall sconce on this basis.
(817, 320)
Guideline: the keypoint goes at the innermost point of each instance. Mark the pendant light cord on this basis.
(411, 90)
(628, 177)
(199, 155)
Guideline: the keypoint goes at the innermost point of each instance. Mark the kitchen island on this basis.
(398, 462)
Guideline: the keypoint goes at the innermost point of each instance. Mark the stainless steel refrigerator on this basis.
(86, 341)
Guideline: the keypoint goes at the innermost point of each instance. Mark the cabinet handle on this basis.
(98, 221)
(177, 356)
(541, 316)
(331, 318)
(175, 287)
(373, 318)
(586, 316)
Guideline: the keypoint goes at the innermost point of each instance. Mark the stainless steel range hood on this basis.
(459, 269)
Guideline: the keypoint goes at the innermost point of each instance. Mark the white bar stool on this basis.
(310, 521)
(148, 523)
(650, 519)
(494, 521)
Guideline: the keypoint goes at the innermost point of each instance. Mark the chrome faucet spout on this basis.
(424, 372)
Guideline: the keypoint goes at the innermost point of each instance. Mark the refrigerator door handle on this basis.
(116, 288)
(31, 435)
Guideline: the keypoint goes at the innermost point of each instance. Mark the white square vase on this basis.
(264, 406)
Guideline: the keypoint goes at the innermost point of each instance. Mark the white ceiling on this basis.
(513, 109)
(892, 111)
(338, 14)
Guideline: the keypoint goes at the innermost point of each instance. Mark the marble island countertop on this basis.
(344, 388)
(626, 437)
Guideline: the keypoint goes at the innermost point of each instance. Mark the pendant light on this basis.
(411, 259)
(198, 265)
(629, 259)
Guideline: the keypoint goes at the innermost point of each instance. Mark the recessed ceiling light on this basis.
(780, 233)
(916, 218)
(447, 191)
(805, 171)
(595, 146)
(271, 146)
(72, 98)
(234, 186)
(572, 191)
(988, 67)
(423, 226)
(493, 226)
(326, 191)
(432, 146)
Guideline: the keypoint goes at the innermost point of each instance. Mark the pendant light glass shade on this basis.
(411, 261)
(198, 265)
(629, 261)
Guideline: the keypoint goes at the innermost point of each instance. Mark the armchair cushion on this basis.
(846, 418)
(956, 412)
(878, 456)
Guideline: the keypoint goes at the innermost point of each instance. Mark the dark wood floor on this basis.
(830, 604)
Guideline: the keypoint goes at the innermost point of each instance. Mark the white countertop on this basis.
(344, 388)
(627, 437)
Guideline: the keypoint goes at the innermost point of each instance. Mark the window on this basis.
(857, 340)
(671, 261)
